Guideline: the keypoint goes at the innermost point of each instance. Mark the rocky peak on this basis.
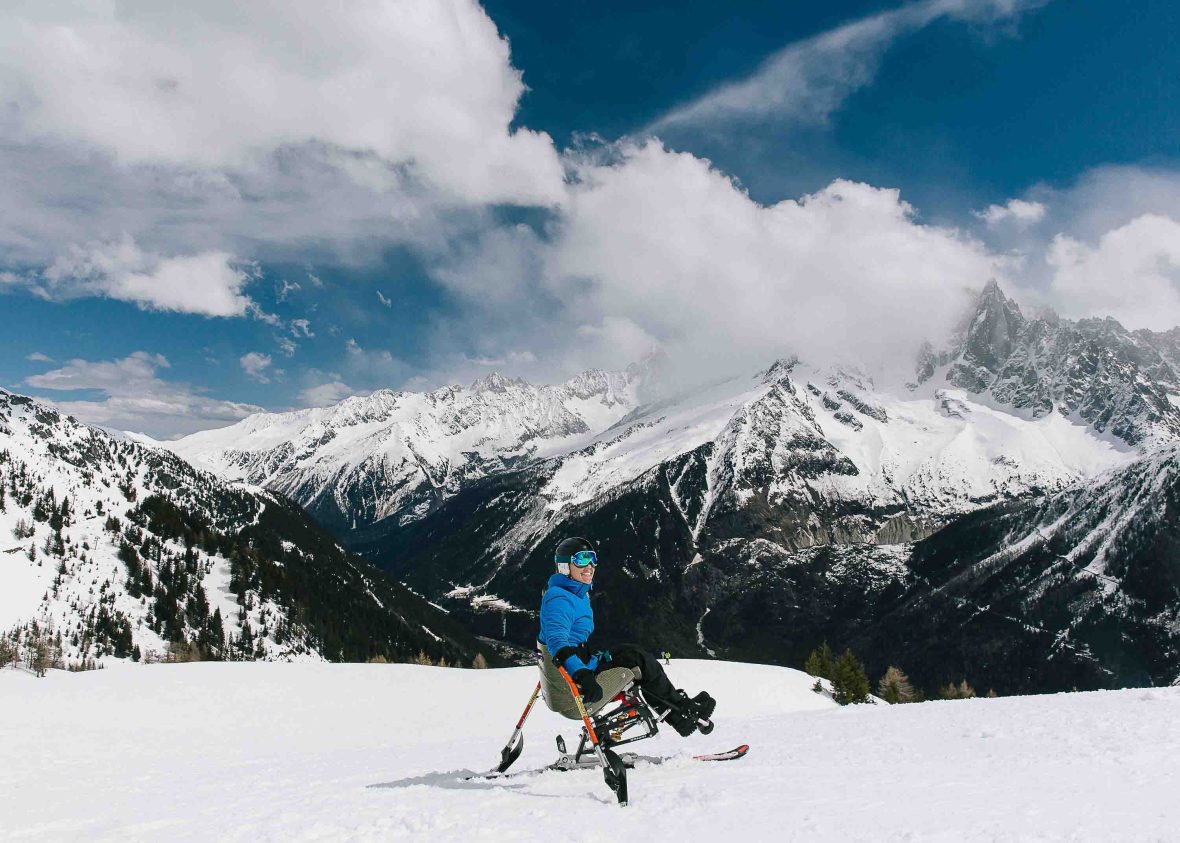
(779, 370)
(987, 339)
(1112, 379)
(495, 382)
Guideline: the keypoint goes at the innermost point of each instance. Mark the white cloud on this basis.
(424, 83)
(38, 357)
(1131, 273)
(286, 346)
(284, 288)
(840, 272)
(659, 248)
(1017, 211)
(326, 394)
(255, 364)
(381, 297)
(809, 79)
(301, 328)
(208, 283)
(374, 367)
(136, 399)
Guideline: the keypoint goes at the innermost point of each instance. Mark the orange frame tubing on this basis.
(581, 708)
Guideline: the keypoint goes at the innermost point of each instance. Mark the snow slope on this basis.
(942, 451)
(114, 550)
(352, 752)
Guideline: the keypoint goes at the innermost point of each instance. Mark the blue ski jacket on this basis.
(567, 621)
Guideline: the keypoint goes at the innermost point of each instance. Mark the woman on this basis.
(567, 622)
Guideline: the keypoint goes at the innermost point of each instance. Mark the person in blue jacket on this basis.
(567, 622)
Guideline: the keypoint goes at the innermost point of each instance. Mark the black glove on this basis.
(588, 685)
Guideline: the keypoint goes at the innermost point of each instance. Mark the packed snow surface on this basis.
(361, 752)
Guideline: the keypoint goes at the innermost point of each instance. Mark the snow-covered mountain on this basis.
(742, 500)
(112, 549)
(398, 455)
(760, 515)
(1093, 371)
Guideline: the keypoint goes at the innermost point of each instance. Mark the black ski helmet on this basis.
(565, 549)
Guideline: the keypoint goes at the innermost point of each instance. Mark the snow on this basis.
(58, 593)
(943, 450)
(374, 454)
(354, 752)
(24, 582)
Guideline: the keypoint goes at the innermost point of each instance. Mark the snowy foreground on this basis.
(354, 752)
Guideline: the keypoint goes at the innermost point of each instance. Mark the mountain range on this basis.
(1007, 515)
(758, 515)
(112, 549)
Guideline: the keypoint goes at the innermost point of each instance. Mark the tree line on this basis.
(849, 681)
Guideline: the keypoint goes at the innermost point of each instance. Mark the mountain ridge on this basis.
(115, 550)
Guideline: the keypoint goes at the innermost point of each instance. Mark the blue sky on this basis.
(205, 213)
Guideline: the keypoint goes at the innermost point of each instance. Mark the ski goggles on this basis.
(582, 559)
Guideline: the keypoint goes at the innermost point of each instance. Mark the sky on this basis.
(209, 210)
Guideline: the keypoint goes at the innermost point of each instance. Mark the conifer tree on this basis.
(951, 691)
(820, 662)
(850, 683)
(894, 687)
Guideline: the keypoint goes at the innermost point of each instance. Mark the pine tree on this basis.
(40, 654)
(951, 691)
(850, 683)
(820, 662)
(894, 687)
(479, 662)
(7, 652)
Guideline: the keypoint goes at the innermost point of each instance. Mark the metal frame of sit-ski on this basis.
(605, 729)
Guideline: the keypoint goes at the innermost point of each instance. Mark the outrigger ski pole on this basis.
(515, 744)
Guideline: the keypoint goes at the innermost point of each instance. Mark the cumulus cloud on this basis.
(255, 364)
(326, 394)
(1131, 273)
(808, 80)
(136, 398)
(659, 248)
(385, 301)
(209, 283)
(1111, 251)
(38, 357)
(376, 368)
(425, 83)
(1017, 211)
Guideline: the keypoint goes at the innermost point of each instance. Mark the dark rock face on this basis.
(1080, 589)
(768, 538)
(731, 549)
(1115, 380)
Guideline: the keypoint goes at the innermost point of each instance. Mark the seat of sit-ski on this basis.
(557, 694)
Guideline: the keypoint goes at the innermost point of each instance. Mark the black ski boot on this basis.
(704, 705)
(684, 714)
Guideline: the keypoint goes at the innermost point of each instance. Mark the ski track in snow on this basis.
(296, 752)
